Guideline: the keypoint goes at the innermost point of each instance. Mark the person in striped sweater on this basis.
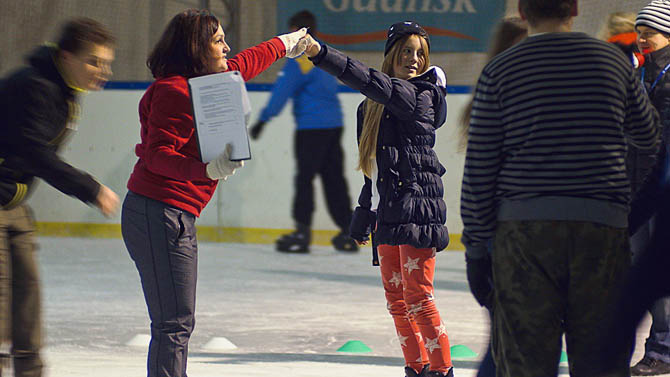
(545, 188)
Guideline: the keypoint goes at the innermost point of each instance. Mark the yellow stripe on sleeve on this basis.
(21, 191)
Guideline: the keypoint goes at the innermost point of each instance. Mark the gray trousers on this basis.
(20, 306)
(161, 241)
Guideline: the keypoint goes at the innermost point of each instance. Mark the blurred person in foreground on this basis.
(317, 144)
(40, 103)
(170, 185)
(545, 186)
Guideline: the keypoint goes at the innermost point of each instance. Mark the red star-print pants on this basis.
(407, 275)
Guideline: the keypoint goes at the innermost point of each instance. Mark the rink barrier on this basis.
(252, 87)
(205, 233)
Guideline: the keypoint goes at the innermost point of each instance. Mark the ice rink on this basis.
(286, 314)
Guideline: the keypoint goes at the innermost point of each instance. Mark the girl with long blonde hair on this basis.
(401, 203)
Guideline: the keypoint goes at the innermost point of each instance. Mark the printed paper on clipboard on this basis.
(221, 108)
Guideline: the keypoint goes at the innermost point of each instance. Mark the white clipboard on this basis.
(221, 109)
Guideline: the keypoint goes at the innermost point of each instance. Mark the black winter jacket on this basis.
(411, 209)
(640, 163)
(37, 105)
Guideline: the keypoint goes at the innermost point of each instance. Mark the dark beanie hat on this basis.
(656, 15)
(400, 29)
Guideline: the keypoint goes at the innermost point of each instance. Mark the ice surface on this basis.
(287, 314)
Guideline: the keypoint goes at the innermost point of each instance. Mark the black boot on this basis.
(343, 242)
(434, 373)
(649, 367)
(296, 242)
(410, 372)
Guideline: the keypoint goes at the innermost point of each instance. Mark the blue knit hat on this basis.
(401, 29)
(656, 15)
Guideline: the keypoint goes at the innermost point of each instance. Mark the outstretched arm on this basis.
(397, 95)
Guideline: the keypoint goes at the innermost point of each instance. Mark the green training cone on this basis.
(460, 351)
(564, 357)
(354, 346)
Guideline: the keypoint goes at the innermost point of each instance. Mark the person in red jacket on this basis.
(619, 28)
(170, 185)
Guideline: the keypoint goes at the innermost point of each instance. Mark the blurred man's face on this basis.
(91, 68)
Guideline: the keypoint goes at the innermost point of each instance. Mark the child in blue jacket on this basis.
(318, 151)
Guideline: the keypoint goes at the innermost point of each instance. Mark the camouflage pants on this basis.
(553, 278)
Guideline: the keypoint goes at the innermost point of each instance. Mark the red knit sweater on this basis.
(169, 167)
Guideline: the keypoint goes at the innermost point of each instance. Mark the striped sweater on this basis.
(547, 137)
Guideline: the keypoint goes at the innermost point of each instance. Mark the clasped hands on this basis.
(298, 42)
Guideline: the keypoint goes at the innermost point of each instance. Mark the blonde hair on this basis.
(617, 23)
(367, 146)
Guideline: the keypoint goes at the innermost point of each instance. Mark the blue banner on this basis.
(361, 25)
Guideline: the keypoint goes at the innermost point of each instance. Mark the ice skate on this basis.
(434, 373)
(410, 372)
(296, 242)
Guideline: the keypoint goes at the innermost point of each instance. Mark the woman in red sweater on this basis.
(170, 185)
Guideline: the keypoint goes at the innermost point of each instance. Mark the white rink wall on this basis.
(258, 196)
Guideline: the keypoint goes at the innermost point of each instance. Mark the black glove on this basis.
(361, 225)
(480, 279)
(256, 129)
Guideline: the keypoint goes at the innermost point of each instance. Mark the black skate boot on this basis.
(410, 372)
(296, 242)
(434, 373)
(343, 242)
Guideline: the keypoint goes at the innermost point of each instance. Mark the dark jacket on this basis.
(38, 106)
(411, 209)
(639, 163)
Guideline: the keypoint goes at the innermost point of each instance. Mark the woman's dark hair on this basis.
(507, 33)
(79, 32)
(183, 49)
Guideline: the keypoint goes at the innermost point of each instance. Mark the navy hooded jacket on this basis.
(411, 210)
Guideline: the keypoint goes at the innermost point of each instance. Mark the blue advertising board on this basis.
(361, 25)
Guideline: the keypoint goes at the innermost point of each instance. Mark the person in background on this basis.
(170, 185)
(653, 38)
(40, 103)
(619, 28)
(545, 186)
(401, 204)
(317, 147)
(507, 33)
